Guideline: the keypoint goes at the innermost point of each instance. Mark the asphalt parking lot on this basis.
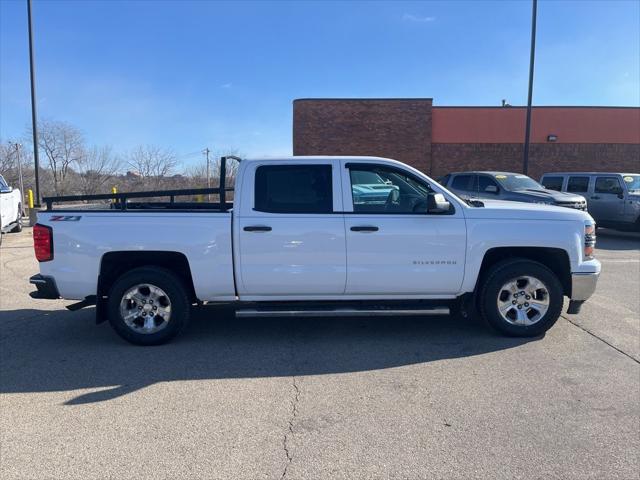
(323, 398)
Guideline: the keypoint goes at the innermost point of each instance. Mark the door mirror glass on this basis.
(436, 203)
(491, 189)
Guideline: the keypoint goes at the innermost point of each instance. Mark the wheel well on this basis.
(555, 259)
(114, 264)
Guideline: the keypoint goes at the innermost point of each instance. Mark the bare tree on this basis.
(7, 159)
(64, 148)
(152, 164)
(198, 172)
(97, 167)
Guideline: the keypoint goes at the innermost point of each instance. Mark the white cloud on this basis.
(226, 85)
(417, 18)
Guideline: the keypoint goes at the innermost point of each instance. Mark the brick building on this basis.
(438, 140)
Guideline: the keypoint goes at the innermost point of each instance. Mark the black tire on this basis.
(502, 273)
(175, 291)
(18, 227)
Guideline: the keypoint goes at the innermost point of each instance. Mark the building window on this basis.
(294, 189)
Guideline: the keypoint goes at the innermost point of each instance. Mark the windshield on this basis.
(632, 182)
(511, 181)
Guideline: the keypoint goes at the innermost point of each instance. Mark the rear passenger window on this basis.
(578, 184)
(463, 182)
(294, 189)
(552, 183)
(608, 185)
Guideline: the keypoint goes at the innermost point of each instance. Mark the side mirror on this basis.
(491, 189)
(436, 203)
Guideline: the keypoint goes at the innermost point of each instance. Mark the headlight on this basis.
(589, 240)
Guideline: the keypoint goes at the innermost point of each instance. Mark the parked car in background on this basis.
(508, 186)
(613, 199)
(369, 187)
(10, 208)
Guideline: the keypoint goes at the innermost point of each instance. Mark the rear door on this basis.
(606, 203)
(393, 246)
(290, 240)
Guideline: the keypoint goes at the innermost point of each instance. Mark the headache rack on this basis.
(120, 201)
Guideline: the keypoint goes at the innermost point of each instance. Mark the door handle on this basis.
(364, 228)
(595, 197)
(257, 228)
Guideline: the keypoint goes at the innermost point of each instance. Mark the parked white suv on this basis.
(302, 240)
(10, 208)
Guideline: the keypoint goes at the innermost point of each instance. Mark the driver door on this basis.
(393, 246)
(607, 201)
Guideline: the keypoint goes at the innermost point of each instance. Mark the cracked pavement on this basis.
(406, 398)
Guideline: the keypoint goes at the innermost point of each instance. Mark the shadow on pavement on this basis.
(615, 240)
(60, 351)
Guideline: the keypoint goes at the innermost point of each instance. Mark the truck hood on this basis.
(552, 195)
(509, 210)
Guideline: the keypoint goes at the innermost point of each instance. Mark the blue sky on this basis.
(186, 75)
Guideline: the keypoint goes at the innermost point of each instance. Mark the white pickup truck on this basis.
(10, 208)
(316, 237)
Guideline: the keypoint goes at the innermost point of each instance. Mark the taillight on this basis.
(589, 240)
(43, 242)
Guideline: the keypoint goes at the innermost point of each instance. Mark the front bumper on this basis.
(583, 285)
(46, 287)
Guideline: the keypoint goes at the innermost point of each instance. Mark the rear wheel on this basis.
(521, 298)
(148, 306)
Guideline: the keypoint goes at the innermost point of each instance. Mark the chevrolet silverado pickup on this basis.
(315, 237)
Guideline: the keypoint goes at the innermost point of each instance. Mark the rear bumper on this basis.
(46, 287)
(583, 285)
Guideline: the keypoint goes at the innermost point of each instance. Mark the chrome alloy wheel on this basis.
(523, 301)
(145, 308)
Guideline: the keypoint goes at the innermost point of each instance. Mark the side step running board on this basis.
(342, 312)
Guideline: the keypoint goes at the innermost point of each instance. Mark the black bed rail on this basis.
(120, 199)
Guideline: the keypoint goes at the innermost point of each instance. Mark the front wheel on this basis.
(521, 298)
(148, 306)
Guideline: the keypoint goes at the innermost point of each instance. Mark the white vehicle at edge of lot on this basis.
(10, 208)
(299, 242)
